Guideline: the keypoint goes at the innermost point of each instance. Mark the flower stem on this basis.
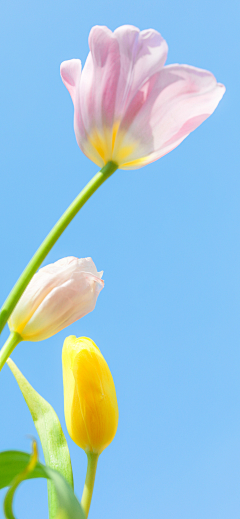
(89, 482)
(12, 341)
(51, 239)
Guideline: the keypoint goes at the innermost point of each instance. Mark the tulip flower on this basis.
(90, 402)
(128, 107)
(58, 295)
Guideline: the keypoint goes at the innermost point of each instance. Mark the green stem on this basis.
(51, 239)
(12, 341)
(89, 482)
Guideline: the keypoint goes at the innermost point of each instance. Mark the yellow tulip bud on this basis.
(90, 401)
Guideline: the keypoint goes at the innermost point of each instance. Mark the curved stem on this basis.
(89, 482)
(12, 341)
(51, 239)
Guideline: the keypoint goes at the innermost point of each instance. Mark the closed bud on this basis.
(58, 295)
(90, 402)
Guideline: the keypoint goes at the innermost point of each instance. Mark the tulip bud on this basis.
(58, 295)
(90, 402)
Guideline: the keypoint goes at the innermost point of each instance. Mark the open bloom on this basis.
(58, 295)
(90, 402)
(128, 107)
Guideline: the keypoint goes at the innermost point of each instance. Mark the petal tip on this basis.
(70, 72)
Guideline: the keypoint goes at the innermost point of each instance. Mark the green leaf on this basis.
(53, 441)
(8, 501)
(14, 462)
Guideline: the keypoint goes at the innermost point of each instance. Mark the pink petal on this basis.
(142, 55)
(58, 293)
(99, 79)
(63, 306)
(180, 99)
(70, 73)
(116, 67)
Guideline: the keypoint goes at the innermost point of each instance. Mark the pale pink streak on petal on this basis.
(99, 79)
(142, 55)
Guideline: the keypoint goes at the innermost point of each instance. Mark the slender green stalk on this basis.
(89, 482)
(12, 341)
(51, 239)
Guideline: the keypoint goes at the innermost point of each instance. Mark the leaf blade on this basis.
(13, 462)
(8, 501)
(53, 441)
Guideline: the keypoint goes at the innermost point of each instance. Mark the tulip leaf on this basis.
(14, 466)
(8, 501)
(53, 441)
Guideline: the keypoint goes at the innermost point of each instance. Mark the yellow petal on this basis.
(90, 402)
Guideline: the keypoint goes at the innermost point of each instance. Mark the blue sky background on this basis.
(167, 238)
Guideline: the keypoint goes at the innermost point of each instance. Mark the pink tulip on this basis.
(58, 295)
(128, 107)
